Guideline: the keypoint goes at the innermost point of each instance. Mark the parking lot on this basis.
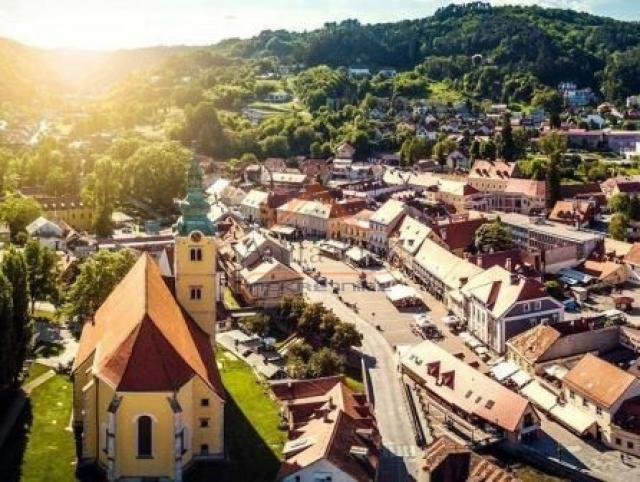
(373, 305)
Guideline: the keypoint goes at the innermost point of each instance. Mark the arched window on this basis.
(144, 436)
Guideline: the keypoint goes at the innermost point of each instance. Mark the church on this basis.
(148, 401)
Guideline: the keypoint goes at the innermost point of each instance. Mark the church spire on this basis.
(194, 207)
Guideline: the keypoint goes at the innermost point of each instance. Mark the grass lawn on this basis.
(35, 370)
(443, 92)
(229, 299)
(254, 441)
(41, 447)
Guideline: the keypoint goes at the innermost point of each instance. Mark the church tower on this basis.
(195, 256)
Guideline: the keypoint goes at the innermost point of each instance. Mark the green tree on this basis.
(413, 149)
(275, 146)
(618, 227)
(42, 268)
(506, 146)
(103, 194)
(258, 324)
(15, 269)
(492, 237)
(554, 145)
(18, 212)
(619, 203)
(98, 276)
(344, 337)
(488, 150)
(7, 367)
(325, 362)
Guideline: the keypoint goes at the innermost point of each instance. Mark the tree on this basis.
(257, 324)
(275, 146)
(507, 145)
(7, 368)
(18, 212)
(597, 173)
(414, 149)
(474, 150)
(554, 145)
(619, 203)
(488, 150)
(324, 362)
(443, 148)
(633, 210)
(156, 174)
(311, 320)
(103, 194)
(42, 268)
(618, 227)
(344, 337)
(15, 269)
(98, 276)
(493, 236)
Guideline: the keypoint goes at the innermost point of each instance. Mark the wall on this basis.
(315, 471)
(601, 340)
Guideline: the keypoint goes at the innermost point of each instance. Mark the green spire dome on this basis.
(194, 207)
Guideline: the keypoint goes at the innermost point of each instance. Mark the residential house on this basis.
(526, 196)
(250, 205)
(69, 209)
(256, 246)
(599, 389)
(621, 185)
(632, 261)
(5, 232)
(575, 212)
(382, 223)
(48, 233)
(345, 150)
(406, 240)
(610, 273)
(353, 229)
(264, 284)
(488, 175)
(500, 305)
(311, 218)
(458, 233)
(460, 388)
(333, 435)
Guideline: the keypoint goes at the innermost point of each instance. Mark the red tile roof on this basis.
(142, 340)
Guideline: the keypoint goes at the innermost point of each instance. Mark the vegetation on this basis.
(493, 236)
(254, 440)
(97, 278)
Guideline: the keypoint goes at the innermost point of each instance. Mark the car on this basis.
(321, 280)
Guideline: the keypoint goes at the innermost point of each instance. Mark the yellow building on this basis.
(71, 210)
(147, 397)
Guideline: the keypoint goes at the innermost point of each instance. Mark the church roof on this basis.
(194, 207)
(142, 340)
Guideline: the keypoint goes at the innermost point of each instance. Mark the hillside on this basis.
(549, 45)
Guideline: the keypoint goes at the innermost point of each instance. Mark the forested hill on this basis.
(550, 45)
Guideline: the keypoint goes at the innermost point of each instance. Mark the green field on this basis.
(444, 93)
(40, 446)
(254, 441)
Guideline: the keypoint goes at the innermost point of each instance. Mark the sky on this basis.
(113, 24)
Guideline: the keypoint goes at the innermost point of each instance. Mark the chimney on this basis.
(508, 264)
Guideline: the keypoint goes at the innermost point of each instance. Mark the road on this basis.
(401, 454)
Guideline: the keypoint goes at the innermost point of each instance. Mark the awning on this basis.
(520, 378)
(539, 396)
(286, 230)
(556, 371)
(575, 419)
(504, 370)
(358, 254)
(385, 278)
(401, 292)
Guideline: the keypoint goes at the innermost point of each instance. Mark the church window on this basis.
(144, 436)
(196, 254)
(196, 293)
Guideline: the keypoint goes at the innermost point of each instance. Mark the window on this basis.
(196, 254)
(196, 293)
(585, 403)
(526, 307)
(618, 441)
(184, 440)
(598, 410)
(629, 445)
(538, 305)
(204, 422)
(204, 449)
(144, 436)
(204, 402)
(571, 394)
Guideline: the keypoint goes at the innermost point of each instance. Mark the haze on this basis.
(100, 25)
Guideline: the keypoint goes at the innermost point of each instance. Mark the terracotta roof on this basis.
(601, 269)
(534, 343)
(528, 187)
(445, 450)
(141, 340)
(329, 437)
(460, 234)
(488, 169)
(599, 380)
(633, 256)
(569, 209)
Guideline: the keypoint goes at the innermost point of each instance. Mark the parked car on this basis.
(321, 280)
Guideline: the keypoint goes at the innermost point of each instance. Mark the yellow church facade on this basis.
(148, 401)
